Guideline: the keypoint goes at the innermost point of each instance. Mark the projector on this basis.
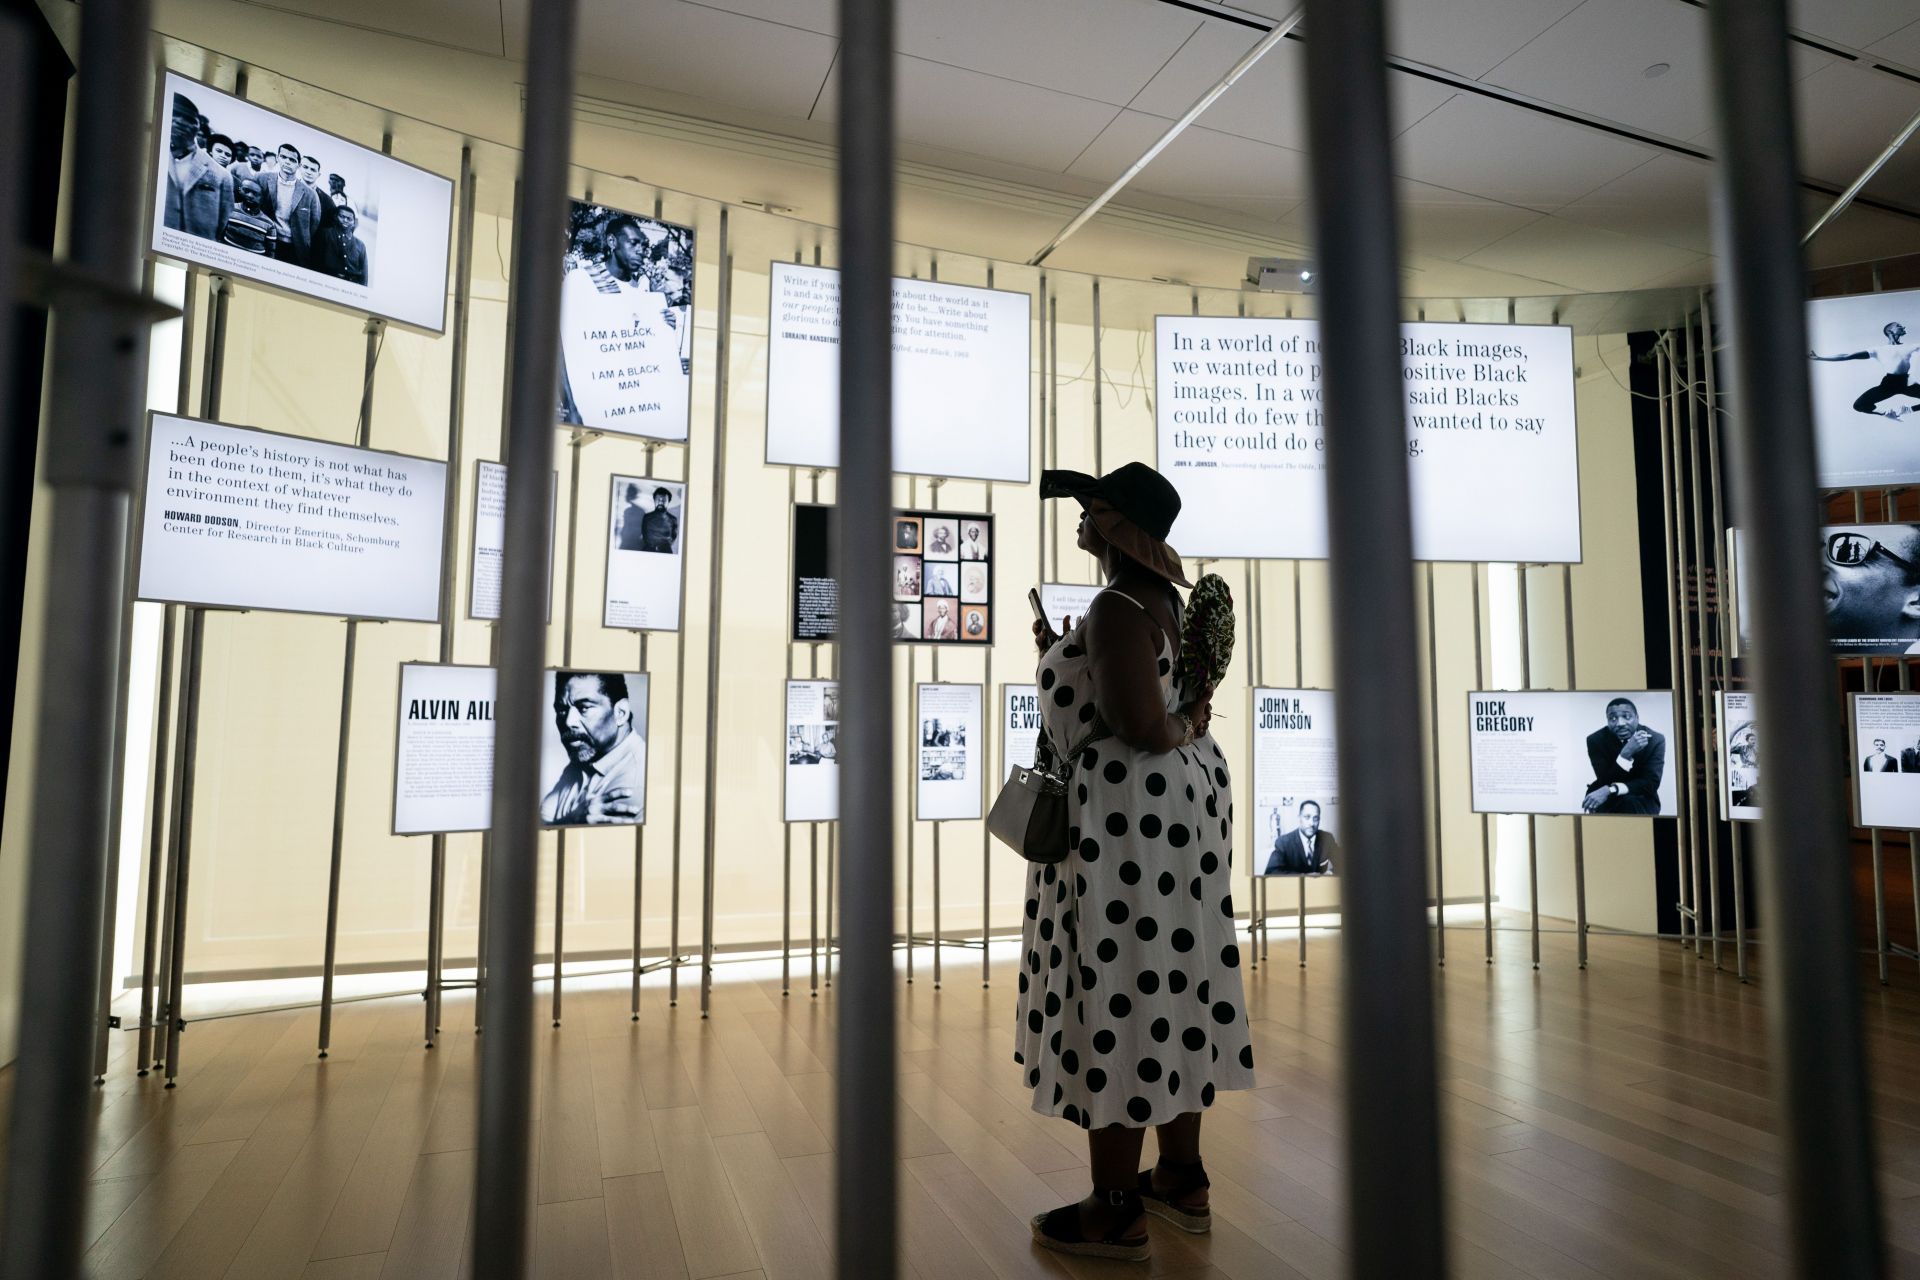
(1282, 275)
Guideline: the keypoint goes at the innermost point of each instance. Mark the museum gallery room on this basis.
(705, 639)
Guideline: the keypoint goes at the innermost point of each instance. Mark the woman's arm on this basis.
(1123, 659)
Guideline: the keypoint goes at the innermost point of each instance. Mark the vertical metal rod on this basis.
(1098, 373)
(1723, 602)
(866, 1240)
(1676, 657)
(97, 382)
(1683, 723)
(449, 524)
(1819, 1067)
(786, 828)
(986, 837)
(1439, 834)
(833, 841)
(1533, 842)
(1700, 708)
(1053, 409)
(1254, 865)
(640, 850)
(376, 333)
(1579, 823)
(578, 441)
(501, 1189)
(156, 838)
(1046, 389)
(1486, 848)
(1395, 1220)
(713, 616)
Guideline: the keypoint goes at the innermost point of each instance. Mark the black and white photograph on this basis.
(947, 770)
(812, 773)
(243, 190)
(593, 752)
(1872, 580)
(935, 600)
(943, 537)
(1885, 729)
(942, 620)
(938, 579)
(1599, 753)
(973, 584)
(626, 323)
(1739, 757)
(1296, 787)
(1865, 388)
(906, 578)
(646, 528)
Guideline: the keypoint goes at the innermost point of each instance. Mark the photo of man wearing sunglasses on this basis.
(1873, 588)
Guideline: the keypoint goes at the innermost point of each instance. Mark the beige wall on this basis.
(272, 693)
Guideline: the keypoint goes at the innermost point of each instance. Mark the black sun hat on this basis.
(1133, 507)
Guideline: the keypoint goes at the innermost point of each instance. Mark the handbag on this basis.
(1029, 815)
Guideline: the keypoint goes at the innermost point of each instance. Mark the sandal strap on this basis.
(1063, 1224)
(1186, 1179)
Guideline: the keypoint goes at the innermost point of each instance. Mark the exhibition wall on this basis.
(272, 690)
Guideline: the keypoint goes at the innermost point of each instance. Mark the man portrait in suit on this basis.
(1628, 761)
(1879, 761)
(1909, 759)
(199, 191)
(1306, 850)
(295, 207)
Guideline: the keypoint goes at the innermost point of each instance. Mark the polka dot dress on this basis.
(1131, 1009)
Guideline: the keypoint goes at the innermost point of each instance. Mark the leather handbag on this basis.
(1030, 814)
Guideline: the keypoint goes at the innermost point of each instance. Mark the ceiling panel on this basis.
(1100, 49)
(1578, 257)
(1201, 164)
(981, 115)
(1513, 155)
(465, 24)
(819, 16)
(695, 50)
(1268, 103)
(1467, 36)
(1596, 62)
(1668, 199)
(1902, 46)
(1847, 113)
(1852, 22)
(1436, 222)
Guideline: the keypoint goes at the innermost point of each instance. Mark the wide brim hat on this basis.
(1133, 507)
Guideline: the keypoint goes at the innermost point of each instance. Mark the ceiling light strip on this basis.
(1207, 99)
(1845, 198)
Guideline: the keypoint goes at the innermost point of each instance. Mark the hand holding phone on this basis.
(1043, 632)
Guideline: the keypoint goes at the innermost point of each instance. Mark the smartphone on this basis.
(1046, 624)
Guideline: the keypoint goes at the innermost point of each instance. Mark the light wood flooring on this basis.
(1601, 1124)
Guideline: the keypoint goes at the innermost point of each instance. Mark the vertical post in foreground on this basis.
(501, 1189)
(866, 1241)
(97, 383)
(1393, 1128)
(1819, 1066)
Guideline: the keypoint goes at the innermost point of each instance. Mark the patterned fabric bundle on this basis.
(1206, 636)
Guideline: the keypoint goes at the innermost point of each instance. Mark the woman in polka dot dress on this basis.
(1131, 1011)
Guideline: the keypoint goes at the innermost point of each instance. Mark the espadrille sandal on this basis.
(1187, 1179)
(1059, 1230)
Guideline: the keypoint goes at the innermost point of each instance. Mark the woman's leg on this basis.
(1114, 1153)
(1179, 1140)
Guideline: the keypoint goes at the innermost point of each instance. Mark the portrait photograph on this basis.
(906, 577)
(906, 621)
(593, 750)
(973, 623)
(830, 702)
(943, 537)
(647, 515)
(973, 583)
(1296, 837)
(646, 538)
(906, 534)
(942, 620)
(626, 323)
(937, 579)
(975, 540)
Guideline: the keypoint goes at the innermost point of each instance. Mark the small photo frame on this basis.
(942, 620)
(906, 621)
(906, 577)
(943, 537)
(974, 623)
(973, 583)
(976, 540)
(938, 578)
(907, 535)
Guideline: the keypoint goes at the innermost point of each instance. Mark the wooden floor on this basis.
(1607, 1123)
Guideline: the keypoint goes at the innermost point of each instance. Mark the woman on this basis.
(1131, 1012)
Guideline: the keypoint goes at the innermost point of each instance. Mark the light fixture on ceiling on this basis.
(768, 207)
(1282, 275)
(1657, 70)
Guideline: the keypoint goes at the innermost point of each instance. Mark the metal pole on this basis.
(1579, 823)
(986, 837)
(1702, 705)
(502, 1184)
(713, 618)
(156, 840)
(450, 522)
(376, 334)
(786, 828)
(1395, 1220)
(866, 1240)
(1683, 722)
(575, 444)
(1486, 849)
(1533, 843)
(97, 382)
(1723, 601)
(1814, 1021)
(1439, 834)
(1053, 409)
(1676, 657)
